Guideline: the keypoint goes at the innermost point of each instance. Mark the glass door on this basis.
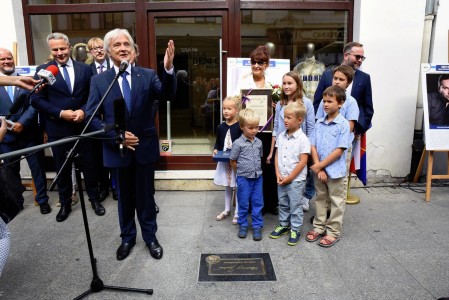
(190, 120)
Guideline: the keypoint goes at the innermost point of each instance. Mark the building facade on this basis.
(206, 33)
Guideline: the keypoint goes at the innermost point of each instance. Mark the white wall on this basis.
(15, 30)
(391, 32)
(440, 46)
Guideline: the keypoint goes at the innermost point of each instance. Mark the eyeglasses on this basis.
(260, 63)
(358, 57)
(97, 49)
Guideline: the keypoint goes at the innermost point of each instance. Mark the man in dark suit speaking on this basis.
(132, 166)
(360, 88)
(62, 106)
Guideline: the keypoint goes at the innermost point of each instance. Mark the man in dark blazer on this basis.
(25, 133)
(133, 169)
(100, 64)
(62, 105)
(360, 88)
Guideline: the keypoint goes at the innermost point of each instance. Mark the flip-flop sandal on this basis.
(315, 235)
(331, 243)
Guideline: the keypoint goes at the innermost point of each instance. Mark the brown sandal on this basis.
(329, 243)
(315, 235)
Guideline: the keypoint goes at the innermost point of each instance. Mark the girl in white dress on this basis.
(227, 132)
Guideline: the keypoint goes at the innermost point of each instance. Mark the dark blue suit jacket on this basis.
(361, 91)
(54, 98)
(26, 115)
(145, 88)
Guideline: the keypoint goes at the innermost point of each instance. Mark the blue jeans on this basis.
(290, 204)
(249, 190)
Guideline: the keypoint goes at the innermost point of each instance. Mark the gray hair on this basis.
(113, 34)
(58, 36)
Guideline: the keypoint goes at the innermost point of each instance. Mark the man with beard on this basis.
(438, 103)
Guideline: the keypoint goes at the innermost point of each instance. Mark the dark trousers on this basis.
(270, 195)
(35, 162)
(135, 188)
(83, 161)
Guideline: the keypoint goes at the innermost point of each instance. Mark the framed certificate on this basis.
(259, 100)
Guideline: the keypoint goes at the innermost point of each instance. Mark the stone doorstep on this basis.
(186, 180)
(176, 180)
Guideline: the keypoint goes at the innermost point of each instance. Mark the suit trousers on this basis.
(84, 161)
(334, 191)
(135, 189)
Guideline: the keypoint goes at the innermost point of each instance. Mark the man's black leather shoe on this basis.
(64, 212)
(103, 194)
(98, 208)
(156, 250)
(124, 250)
(114, 194)
(45, 208)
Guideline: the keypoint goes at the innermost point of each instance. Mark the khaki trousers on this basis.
(335, 193)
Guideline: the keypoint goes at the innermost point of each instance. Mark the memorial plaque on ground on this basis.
(236, 267)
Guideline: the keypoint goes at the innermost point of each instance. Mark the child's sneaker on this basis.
(243, 232)
(305, 204)
(257, 233)
(294, 238)
(280, 230)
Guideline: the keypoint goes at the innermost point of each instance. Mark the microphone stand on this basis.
(97, 284)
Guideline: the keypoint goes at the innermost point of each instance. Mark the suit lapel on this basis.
(5, 103)
(77, 71)
(115, 91)
(135, 85)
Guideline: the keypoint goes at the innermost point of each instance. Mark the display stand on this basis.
(430, 175)
(350, 198)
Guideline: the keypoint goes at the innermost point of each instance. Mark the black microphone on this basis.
(17, 105)
(120, 124)
(123, 66)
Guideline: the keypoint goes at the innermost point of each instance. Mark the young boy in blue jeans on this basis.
(329, 141)
(293, 148)
(245, 159)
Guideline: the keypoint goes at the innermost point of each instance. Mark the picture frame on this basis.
(260, 101)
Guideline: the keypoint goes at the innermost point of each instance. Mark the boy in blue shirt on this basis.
(293, 148)
(329, 142)
(245, 159)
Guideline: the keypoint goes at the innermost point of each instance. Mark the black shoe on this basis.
(124, 250)
(157, 208)
(114, 194)
(156, 250)
(45, 208)
(103, 194)
(64, 212)
(98, 208)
